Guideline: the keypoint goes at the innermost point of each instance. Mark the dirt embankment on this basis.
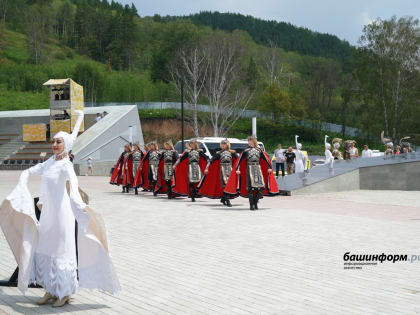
(164, 129)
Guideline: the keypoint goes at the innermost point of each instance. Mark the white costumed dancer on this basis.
(329, 159)
(389, 152)
(300, 163)
(45, 250)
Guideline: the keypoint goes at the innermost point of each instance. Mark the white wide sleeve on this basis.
(20, 198)
(19, 225)
(96, 270)
(77, 204)
(34, 170)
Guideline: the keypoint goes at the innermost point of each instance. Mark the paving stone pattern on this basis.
(178, 257)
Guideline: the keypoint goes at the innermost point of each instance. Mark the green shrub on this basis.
(59, 55)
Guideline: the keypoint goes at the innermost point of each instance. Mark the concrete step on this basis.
(10, 148)
(11, 144)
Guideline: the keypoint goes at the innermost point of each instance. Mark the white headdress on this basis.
(298, 145)
(327, 145)
(386, 141)
(70, 138)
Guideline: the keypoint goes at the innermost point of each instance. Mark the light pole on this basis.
(182, 115)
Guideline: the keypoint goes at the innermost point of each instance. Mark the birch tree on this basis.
(4, 5)
(227, 96)
(393, 47)
(36, 34)
(275, 66)
(190, 68)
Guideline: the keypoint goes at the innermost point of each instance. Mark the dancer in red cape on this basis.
(253, 175)
(217, 174)
(137, 155)
(166, 170)
(116, 178)
(127, 172)
(117, 174)
(188, 171)
(141, 180)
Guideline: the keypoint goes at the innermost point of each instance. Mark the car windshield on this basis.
(178, 146)
(239, 147)
(213, 147)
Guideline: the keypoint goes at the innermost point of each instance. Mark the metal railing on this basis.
(248, 113)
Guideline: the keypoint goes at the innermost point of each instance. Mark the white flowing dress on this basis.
(46, 250)
(300, 163)
(55, 256)
(329, 159)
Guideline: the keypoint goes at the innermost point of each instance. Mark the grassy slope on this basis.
(60, 62)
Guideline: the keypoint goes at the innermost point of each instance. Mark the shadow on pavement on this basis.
(27, 305)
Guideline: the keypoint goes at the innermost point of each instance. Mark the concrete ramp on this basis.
(400, 172)
(105, 140)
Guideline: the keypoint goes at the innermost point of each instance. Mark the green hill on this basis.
(282, 34)
(21, 81)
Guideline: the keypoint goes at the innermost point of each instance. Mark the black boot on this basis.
(257, 198)
(223, 199)
(123, 190)
(169, 190)
(251, 204)
(192, 193)
(251, 200)
(154, 189)
(227, 200)
(136, 191)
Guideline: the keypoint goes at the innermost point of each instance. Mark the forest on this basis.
(282, 34)
(229, 61)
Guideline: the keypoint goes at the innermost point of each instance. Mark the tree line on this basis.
(282, 34)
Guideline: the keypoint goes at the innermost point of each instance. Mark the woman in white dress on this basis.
(329, 159)
(46, 250)
(300, 162)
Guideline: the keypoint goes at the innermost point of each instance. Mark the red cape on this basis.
(180, 184)
(161, 184)
(141, 178)
(128, 171)
(236, 184)
(116, 174)
(211, 185)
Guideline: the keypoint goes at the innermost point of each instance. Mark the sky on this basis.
(344, 18)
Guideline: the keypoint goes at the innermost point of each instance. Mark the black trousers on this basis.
(281, 165)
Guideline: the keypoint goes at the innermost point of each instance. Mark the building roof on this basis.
(57, 81)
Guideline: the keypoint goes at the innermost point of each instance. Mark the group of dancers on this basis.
(225, 176)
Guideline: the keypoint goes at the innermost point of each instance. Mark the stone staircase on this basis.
(10, 147)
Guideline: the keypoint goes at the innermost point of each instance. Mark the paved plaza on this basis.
(178, 257)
